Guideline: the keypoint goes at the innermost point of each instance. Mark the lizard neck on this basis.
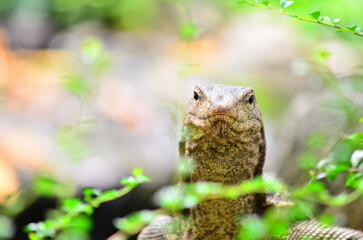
(228, 161)
(218, 218)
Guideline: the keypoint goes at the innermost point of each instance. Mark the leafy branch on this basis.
(314, 17)
(71, 208)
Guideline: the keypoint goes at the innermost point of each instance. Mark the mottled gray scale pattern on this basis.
(314, 230)
(157, 230)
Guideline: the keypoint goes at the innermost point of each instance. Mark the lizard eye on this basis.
(196, 96)
(251, 99)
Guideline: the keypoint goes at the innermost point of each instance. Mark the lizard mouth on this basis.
(210, 121)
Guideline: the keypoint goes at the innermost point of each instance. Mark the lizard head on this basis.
(223, 109)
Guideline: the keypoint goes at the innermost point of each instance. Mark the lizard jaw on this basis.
(209, 122)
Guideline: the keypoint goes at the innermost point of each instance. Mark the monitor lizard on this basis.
(223, 135)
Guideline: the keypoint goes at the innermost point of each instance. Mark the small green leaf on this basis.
(91, 193)
(71, 142)
(137, 172)
(266, 3)
(352, 27)
(188, 31)
(308, 161)
(80, 222)
(77, 85)
(285, 3)
(92, 49)
(317, 140)
(356, 140)
(253, 228)
(33, 236)
(322, 55)
(72, 205)
(353, 180)
(130, 182)
(133, 223)
(326, 219)
(361, 120)
(315, 14)
(241, 2)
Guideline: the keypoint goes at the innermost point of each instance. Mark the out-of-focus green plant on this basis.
(313, 17)
(94, 61)
(72, 212)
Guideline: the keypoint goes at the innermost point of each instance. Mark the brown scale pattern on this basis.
(223, 135)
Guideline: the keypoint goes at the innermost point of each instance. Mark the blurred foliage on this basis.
(73, 213)
(313, 17)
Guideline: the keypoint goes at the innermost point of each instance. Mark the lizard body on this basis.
(223, 135)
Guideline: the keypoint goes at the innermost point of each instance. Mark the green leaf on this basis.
(315, 14)
(308, 161)
(253, 228)
(315, 187)
(137, 172)
(133, 223)
(130, 182)
(241, 2)
(361, 120)
(47, 186)
(80, 222)
(73, 205)
(357, 140)
(92, 49)
(266, 3)
(77, 85)
(353, 180)
(285, 3)
(322, 55)
(326, 219)
(70, 141)
(188, 31)
(317, 140)
(352, 27)
(91, 193)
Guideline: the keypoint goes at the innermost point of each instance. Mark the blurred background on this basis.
(91, 89)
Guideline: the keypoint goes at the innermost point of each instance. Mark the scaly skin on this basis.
(223, 135)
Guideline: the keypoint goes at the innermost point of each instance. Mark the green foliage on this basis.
(96, 62)
(188, 31)
(133, 223)
(46, 186)
(74, 213)
(313, 17)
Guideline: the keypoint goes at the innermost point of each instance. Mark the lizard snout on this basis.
(221, 110)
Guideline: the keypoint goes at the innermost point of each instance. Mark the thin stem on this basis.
(302, 18)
